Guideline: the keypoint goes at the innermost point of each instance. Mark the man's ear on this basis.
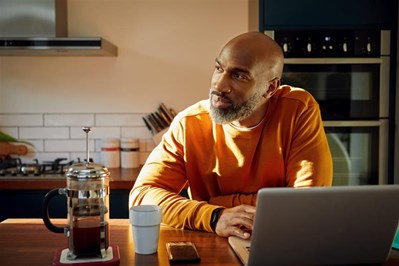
(273, 86)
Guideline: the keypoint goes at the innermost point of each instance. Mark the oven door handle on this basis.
(325, 61)
(349, 123)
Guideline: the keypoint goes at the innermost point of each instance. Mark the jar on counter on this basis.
(130, 153)
(143, 151)
(110, 153)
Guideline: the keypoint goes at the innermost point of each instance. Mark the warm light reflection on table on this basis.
(28, 242)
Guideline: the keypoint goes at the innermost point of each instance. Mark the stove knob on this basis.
(309, 47)
(368, 47)
(345, 47)
(285, 47)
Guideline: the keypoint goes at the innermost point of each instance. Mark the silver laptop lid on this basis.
(324, 225)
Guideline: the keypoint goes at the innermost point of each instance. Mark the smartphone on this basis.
(182, 252)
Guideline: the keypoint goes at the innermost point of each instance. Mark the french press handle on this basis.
(45, 215)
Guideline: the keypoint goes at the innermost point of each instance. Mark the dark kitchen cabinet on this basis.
(28, 204)
(308, 14)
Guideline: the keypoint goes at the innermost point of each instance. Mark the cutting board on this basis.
(9, 149)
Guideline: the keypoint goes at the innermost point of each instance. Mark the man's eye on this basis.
(239, 76)
(218, 69)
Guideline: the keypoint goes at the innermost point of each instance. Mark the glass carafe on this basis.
(87, 194)
(88, 209)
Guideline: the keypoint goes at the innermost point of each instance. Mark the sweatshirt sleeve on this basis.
(233, 200)
(309, 161)
(161, 180)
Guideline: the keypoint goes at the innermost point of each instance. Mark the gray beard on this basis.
(236, 111)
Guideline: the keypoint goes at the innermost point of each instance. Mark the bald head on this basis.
(260, 49)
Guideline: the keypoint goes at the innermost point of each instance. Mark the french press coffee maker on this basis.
(87, 194)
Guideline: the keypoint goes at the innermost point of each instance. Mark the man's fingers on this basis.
(237, 231)
(237, 221)
(243, 221)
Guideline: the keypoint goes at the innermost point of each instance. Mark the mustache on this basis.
(219, 94)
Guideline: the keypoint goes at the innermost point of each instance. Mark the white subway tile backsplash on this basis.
(82, 156)
(67, 145)
(44, 132)
(96, 133)
(135, 132)
(119, 120)
(21, 120)
(106, 132)
(38, 146)
(61, 135)
(69, 120)
(12, 131)
(98, 145)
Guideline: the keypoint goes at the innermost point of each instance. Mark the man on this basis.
(251, 133)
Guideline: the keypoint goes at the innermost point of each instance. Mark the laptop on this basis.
(322, 226)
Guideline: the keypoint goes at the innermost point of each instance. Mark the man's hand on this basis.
(236, 221)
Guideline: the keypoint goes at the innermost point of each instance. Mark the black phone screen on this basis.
(182, 251)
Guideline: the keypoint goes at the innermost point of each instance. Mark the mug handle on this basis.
(45, 215)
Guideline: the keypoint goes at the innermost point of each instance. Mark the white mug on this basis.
(145, 221)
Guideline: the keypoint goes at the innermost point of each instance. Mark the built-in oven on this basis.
(345, 89)
(347, 72)
(358, 149)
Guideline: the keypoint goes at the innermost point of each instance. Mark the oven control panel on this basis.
(328, 43)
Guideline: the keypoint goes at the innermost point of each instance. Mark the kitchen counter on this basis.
(120, 178)
(24, 194)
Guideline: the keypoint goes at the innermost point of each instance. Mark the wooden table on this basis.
(28, 242)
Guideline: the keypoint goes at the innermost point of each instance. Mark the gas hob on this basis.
(14, 167)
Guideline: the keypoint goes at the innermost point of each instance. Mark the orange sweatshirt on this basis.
(226, 167)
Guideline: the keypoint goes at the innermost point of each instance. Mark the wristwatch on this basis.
(215, 217)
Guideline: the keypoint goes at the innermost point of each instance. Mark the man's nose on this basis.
(222, 83)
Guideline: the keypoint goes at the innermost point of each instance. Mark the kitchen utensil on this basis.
(87, 194)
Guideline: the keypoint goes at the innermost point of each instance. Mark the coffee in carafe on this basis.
(87, 194)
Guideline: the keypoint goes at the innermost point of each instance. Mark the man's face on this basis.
(235, 89)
